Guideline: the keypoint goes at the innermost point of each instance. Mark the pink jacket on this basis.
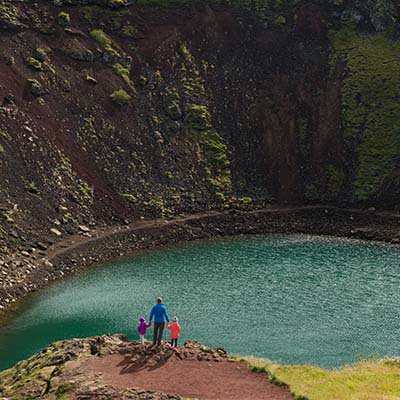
(175, 329)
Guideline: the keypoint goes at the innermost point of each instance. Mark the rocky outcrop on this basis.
(58, 371)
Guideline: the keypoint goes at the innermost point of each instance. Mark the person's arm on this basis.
(166, 314)
(151, 314)
(169, 326)
(148, 325)
(179, 328)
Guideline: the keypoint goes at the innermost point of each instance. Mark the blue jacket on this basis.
(159, 312)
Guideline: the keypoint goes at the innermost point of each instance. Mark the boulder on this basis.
(78, 51)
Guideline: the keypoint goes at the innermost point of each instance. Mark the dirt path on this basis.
(68, 244)
(71, 243)
(202, 380)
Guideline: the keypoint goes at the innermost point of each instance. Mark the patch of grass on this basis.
(103, 40)
(121, 97)
(366, 380)
(128, 31)
(124, 72)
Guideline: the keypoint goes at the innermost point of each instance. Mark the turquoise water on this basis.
(294, 299)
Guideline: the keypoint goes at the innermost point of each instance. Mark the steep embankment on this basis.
(114, 112)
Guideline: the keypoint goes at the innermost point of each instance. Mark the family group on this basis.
(160, 315)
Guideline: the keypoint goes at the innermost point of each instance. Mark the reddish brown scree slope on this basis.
(223, 380)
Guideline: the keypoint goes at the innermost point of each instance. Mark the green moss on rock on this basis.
(371, 107)
(9, 17)
(34, 64)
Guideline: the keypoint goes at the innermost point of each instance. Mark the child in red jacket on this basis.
(175, 329)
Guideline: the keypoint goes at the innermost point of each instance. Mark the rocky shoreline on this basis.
(58, 371)
(95, 247)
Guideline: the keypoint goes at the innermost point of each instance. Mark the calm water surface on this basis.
(294, 299)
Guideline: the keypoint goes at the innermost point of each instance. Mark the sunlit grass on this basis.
(366, 380)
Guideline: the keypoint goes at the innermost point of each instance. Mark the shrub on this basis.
(280, 20)
(35, 87)
(102, 39)
(123, 71)
(63, 19)
(120, 97)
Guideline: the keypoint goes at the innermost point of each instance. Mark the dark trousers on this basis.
(158, 331)
(174, 342)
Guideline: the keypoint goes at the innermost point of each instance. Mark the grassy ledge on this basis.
(365, 380)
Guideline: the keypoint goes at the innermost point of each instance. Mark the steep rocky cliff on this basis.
(115, 110)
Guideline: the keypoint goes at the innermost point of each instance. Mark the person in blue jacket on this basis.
(159, 312)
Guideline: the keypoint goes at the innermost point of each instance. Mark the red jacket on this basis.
(175, 329)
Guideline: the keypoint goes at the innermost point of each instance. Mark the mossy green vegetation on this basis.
(199, 125)
(124, 72)
(116, 20)
(121, 97)
(371, 109)
(87, 191)
(34, 63)
(366, 380)
(9, 15)
(103, 40)
(64, 19)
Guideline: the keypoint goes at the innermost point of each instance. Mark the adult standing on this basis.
(160, 314)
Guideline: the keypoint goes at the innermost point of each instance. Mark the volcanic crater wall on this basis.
(120, 111)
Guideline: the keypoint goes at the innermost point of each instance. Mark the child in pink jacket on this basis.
(175, 329)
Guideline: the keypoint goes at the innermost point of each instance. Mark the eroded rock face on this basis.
(58, 372)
